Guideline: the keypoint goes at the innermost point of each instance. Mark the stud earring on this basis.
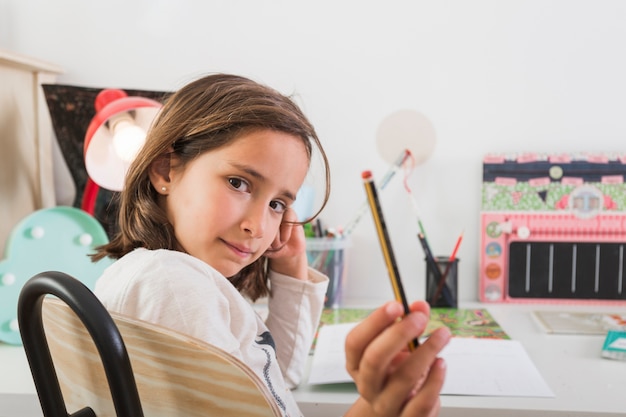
(164, 188)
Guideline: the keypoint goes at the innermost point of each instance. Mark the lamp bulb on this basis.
(128, 138)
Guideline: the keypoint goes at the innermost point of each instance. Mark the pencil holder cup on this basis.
(443, 294)
(329, 255)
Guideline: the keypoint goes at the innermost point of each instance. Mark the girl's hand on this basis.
(287, 254)
(391, 380)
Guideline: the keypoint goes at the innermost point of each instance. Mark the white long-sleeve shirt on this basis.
(178, 291)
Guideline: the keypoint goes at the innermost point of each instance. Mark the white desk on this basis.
(584, 383)
(17, 390)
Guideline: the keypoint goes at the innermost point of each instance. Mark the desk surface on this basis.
(584, 383)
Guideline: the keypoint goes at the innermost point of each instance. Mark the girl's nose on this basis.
(254, 220)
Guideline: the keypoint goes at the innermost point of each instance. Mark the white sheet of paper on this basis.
(484, 367)
(329, 358)
(492, 367)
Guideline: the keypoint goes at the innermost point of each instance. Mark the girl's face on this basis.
(226, 205)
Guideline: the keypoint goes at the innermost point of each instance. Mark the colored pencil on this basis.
(385, 243)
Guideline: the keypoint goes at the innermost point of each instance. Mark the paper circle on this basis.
(405, 129)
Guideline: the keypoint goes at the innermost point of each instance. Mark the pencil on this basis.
(385, 243)
(383, 183)
(442, 280)
(434, 268)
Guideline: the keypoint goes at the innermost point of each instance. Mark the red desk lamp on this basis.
(114, 136)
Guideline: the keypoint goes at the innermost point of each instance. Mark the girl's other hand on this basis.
(391, 380)
(287, 254)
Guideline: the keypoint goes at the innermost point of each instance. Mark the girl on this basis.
(205, 226)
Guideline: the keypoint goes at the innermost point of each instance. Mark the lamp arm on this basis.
(89, 196)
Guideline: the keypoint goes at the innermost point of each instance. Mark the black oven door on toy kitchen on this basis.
(564, 270)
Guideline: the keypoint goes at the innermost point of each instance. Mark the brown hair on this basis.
(202, 116)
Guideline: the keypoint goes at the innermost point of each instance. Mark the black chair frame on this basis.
(100, 326)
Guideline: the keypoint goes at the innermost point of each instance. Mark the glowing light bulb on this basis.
(128, 137)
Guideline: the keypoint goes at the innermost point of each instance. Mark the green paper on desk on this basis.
(461, 322)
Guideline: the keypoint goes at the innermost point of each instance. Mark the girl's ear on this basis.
(160, 173)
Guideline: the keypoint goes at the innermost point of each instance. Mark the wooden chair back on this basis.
(175, 375)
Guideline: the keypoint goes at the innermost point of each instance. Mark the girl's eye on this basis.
(278, 207)
(238, 184)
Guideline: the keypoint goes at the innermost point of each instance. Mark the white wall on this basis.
(512, 75)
